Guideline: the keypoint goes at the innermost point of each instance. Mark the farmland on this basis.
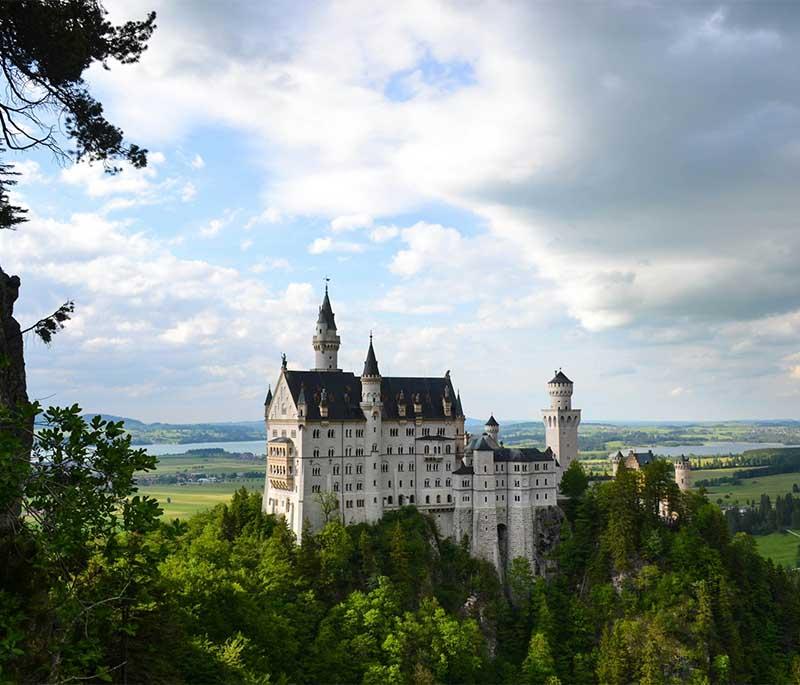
(182, 501)
(783, 548)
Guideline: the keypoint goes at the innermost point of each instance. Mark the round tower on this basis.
(615, 459)
(683, 472)
(560, 391)
(492, 428)
(326, 341)
(561, 421)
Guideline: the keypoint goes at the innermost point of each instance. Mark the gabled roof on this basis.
(560, 377)
(343, 393)
(343, 390)
(643, 458)
(269, 397)
(464, 470)
(527, 454)
(371, 363)
(483, 444)
(326, 312)
(492, 421)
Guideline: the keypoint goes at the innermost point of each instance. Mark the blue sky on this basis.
(498, 190)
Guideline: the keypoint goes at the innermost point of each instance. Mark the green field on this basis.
(194, 463)
(782, 548)
(749, 488)
(186, 500)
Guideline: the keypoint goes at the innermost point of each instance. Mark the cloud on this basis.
(351, 222)
(269, 216)
(271, 264)
(380, 234)
(188, 192)
(327, 244)
(198, 162)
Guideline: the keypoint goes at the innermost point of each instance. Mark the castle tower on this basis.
(484, 514)
(326, 341)
(683, 473)
(561, 421)
(616, 459)
(372, 406)
(493, 428)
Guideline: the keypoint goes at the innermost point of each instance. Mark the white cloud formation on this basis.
(328, 244)
(198, 162)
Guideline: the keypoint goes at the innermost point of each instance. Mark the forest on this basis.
(97, 588)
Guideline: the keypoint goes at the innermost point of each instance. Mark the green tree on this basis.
(539, 667)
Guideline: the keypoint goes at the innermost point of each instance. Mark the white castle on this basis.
(380, 443)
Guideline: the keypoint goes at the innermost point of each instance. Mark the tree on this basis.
(75, 551)
(574, 481)
(539, 667)
(45, 47)
(328, 503)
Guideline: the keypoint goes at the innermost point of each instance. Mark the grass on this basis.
(186, 500)
(751, 488)
(782, 548)
(193, 463)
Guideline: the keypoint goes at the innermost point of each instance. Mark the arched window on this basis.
(389, 499)
(411, 499)
(427, 449)
(447, 449)
(438, 499)
(449, 498)
(427, 499)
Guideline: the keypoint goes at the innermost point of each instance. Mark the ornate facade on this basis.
(378, 443)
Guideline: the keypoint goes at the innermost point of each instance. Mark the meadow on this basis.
(748, 488)
(182, 501)
(783, 548)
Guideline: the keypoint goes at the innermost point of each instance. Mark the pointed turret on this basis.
(267, 401)
(371, 363)
(326, 341)
(492, 427)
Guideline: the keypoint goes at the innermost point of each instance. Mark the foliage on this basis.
(643, 593)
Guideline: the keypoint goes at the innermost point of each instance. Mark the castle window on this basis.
(449, 498)
(484, 468)
(427, 499)
(537, 495)
(331, 433)
(348, 469)
(409, 432)
(426, 431)
(330, 451)
(516, 498)
(389, 449)
(440, 431)
(348, 433)
(315, 433)
(389, 499)
(545, 495)
(315, 471)
(389, 484)
(447, 449)
(359, 503)
(427, 482)
(545, 481)
(411, 466)
(348, 451)
(359, 468)
(486, 499)
(359, 485)
(393, 432)
(348, 487)
(438, 483)
(447, 467)
(336, 469)
(537, 482)
(447, 483)
(400, 466)
(536, 467)
(359, 432)
(401, 484)
(427, 449)
(384, 467)
(400, 449)
(359, 451)
(411, 499)
(336, 486)
(438, 499)
(315, 488)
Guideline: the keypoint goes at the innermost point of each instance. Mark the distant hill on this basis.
(182, 433)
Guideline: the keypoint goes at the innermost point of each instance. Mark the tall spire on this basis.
(326, 341)
(269, 396)
(371, 364)
(326, 312)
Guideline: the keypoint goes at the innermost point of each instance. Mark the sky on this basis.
(497, 189)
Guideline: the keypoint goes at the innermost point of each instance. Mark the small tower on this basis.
(561, 421)
(372, 406)
(267, 402)
(616, 459)
(493, 428)
(326, 341)
(484, 513)
(683, 473)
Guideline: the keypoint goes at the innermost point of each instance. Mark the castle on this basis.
(379, 443)
(638, 460)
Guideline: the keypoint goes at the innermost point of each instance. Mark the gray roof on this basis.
(326, 313)
(643, 458)
(492, 421)
(464, 470)
(560, 377)
(343, 390)
(269, 397)
(371, 363)
(521, 454)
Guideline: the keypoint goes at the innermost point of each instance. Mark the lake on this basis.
(254, 446)
(257, 447)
